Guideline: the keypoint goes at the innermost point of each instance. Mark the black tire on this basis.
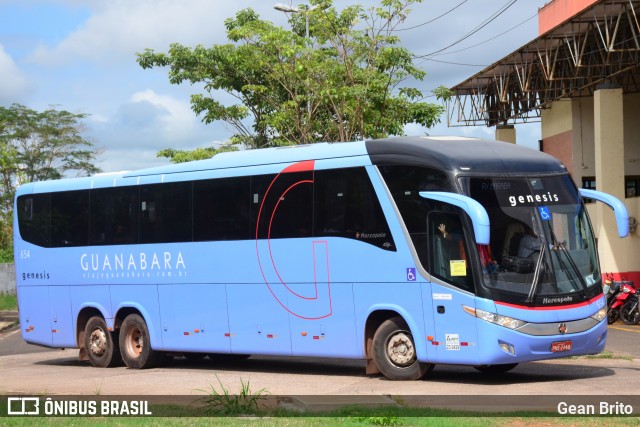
(496, 369)
(101, 344)
(630, 313)
(394, 352)
(612, 315)
(135, 344)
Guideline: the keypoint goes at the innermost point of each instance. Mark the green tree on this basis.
(37, 146)
(342, 83)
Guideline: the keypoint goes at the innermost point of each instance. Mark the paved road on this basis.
(29, 369)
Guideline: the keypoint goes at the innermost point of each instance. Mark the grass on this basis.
(226, 404)
(8, 302)
(183, 416)
(604, 355)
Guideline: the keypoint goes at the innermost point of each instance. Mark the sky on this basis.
(80, 56)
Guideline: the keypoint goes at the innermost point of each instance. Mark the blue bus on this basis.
(404, 252)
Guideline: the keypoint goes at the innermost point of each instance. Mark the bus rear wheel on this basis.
(394, 352)
(102, 349)
(135, 344)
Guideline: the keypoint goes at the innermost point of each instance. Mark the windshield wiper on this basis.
(536, 275)
(562, 247)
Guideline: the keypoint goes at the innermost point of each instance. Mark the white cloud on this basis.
(14, 84)
(120, 28)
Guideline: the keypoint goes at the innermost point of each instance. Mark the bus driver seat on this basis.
(512, 229)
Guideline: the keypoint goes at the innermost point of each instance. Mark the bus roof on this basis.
(456, 154)
(261, 157)
(463, 155)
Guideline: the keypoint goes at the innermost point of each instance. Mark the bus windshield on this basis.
(542, 243)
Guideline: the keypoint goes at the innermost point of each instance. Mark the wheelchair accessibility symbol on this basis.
(411, 274)
(544, 213)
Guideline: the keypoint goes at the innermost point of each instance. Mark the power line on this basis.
(492, 38)
(434, 19)
(456, 63)
(475, 30)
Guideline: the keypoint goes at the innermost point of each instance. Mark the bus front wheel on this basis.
(135, 344)
(102, 349)
(394, 352)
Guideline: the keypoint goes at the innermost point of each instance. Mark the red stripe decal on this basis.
(304, 166)
(551, 307)
(435, 343)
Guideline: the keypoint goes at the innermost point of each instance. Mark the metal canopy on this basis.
(600, 45)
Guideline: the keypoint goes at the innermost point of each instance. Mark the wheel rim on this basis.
(98, 341)
(134, 342)
(400, 349)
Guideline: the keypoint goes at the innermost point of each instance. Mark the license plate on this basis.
(560, 346)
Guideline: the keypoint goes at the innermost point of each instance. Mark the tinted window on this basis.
(70, 218)
(448, 254)
(165, 213)
(34, 219)
(114, 216)
(282, 205)
(346, 205)
(405, 184)
(221, 209)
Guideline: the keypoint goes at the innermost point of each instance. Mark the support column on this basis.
(609, 153)
(506, 133)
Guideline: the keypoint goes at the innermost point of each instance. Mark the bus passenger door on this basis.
(455, 335)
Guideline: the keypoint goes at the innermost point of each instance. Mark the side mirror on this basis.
(477, 213)
(619, 209)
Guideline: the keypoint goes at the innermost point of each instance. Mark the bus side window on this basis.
(114, 216)
(448, 257)
(221, 209)
(346, 205)
(70, 218)
(287, 211)
(34, 219)
(165, 211)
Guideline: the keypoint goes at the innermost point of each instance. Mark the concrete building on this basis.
(581, 79)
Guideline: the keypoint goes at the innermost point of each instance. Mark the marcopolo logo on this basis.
(141, 264)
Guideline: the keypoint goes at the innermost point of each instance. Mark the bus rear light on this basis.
(496, 319)
(507, 348)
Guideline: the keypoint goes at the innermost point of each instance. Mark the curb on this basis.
(8, 319)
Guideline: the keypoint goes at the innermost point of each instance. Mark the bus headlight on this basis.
(507, 322)
(600, 314)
